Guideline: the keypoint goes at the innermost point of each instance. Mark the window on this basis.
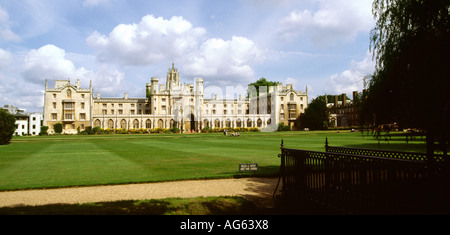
(104, 105)
(104, 112)
(54, 96)
(282, 116)
(82, 105)
(54, 116)
(68, 116)
(132, 105)
(68, 105)
(292, 96)
(120, 105)
(132, 111)
(82, 96)
(82, 116)
(120, 111)
(54, 105)
(69, 94)
(112, 111)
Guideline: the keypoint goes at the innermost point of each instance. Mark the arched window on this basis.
(292, 96)
(69, 94)
(136, 124)
(148, 124)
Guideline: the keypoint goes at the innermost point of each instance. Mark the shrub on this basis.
(58, 128)
(97, 130)
(7, 127)
(282, 127)
(44, 130)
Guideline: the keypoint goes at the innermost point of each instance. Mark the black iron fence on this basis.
(367, 181)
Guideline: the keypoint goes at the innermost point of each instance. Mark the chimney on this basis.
(125, 96)
(98, 95)
(344, 99)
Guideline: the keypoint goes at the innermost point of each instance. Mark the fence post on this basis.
(282, 167)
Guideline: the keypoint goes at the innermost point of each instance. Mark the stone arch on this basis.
(148, 124)
(228, 123)
(259, 123)
(160, 123)
(238, 123)
(217, 123)
(123, 124)
(97, 123)
(249, 122)
(110, 124)
(136, 124)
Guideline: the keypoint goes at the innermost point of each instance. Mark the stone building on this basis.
(344, 113)
(169, 105)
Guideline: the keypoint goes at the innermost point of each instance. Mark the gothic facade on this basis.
(170, 105)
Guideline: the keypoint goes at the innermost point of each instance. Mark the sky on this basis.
(321, 45)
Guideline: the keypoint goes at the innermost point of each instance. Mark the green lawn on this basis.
(61, 161)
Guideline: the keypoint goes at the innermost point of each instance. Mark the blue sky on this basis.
(119, 45)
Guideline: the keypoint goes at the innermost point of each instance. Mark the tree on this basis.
(7, 127)
(315, 116)
(262, 82)
(410, 85)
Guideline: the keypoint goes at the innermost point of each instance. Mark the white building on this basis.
(35, 122)
(26, 123)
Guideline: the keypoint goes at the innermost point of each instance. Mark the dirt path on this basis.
(259, 190)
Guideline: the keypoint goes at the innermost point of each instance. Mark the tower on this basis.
(173, 78)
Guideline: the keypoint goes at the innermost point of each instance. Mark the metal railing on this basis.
(357, 183)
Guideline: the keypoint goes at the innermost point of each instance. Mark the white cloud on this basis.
(334, 21)
(50, 62)
(230, 59)
(5, 24)
(352, 79)
(152, 40)
(5, 58)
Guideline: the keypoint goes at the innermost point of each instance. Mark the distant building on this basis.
(169, 105)
(343, 113)
(35, 121)
(26, 123)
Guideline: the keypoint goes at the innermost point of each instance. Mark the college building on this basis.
(170, 105)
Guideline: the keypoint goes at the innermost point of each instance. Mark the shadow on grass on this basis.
(172, 206)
